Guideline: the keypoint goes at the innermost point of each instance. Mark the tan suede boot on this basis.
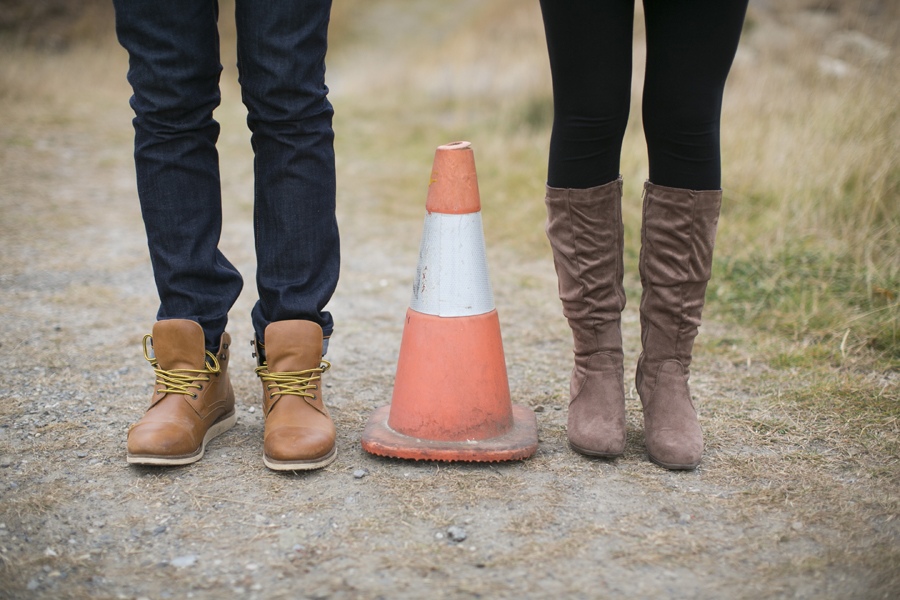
(677, 238)
(299, 433)
(193, 401)
(586, 233)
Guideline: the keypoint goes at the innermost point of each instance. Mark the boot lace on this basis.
(180, 381)
(292, 383)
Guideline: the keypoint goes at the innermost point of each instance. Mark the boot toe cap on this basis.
(596, 420)
(597, 436)
(160, 439)
(675, 452)
(293, 443)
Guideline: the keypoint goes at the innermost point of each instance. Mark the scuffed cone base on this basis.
(520, 442)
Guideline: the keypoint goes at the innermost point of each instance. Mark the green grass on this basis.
(829, 303)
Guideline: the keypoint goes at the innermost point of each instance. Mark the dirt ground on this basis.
(767, 514)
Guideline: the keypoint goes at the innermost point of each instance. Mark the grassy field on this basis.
(809, 243)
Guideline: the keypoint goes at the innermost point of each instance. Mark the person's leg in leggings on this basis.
(281, 57)
(590, 44)
(174, 69)
(690, 48)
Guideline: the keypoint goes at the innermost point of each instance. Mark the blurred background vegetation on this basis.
(54, 24)
(809, 241)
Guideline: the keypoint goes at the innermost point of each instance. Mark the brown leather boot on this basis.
(193, 401)
(677, 238)
(586, 233)
(299, 433)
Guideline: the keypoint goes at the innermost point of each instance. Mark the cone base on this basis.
(520, 442)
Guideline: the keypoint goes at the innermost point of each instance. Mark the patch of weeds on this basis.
(846, 412)
(888, 472)
(831, 303)
(839, 411)
(804, 357)
(770, 426)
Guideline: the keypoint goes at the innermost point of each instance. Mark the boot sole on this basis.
(595, 453)
(673, 466)
(300, 465)
(217, 428)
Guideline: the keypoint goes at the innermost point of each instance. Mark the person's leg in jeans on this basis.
(690, 47)
(590, 45)
(174, 70)
(281, 58)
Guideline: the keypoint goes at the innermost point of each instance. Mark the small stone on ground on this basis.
(457, 534)
(184, 561)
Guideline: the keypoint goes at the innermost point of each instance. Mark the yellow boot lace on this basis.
(292, 383)
(181, 381)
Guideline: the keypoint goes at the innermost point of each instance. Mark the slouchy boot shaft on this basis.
(677, 238)
(586, 233)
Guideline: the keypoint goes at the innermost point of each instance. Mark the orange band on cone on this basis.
(451, 381)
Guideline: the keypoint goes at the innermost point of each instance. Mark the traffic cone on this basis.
(451, 395)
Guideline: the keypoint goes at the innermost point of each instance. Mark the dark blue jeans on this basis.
(174, 69)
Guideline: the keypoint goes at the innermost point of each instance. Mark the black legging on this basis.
(690, 48)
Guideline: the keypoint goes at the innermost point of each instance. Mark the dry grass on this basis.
(810, 238)
(437, 497)
(816, 148)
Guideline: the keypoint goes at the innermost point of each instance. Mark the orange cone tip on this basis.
(453, 189)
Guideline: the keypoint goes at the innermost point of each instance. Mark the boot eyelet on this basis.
(194, 396)
(201, 388)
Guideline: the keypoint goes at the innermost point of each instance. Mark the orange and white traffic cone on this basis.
(451, 395)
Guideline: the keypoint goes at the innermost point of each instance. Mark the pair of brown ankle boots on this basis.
(677, 237)
(193, 400)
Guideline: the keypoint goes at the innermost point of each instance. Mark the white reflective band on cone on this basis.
(452, 277)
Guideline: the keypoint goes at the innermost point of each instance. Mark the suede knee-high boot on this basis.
(585, 230)
(677, 238)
